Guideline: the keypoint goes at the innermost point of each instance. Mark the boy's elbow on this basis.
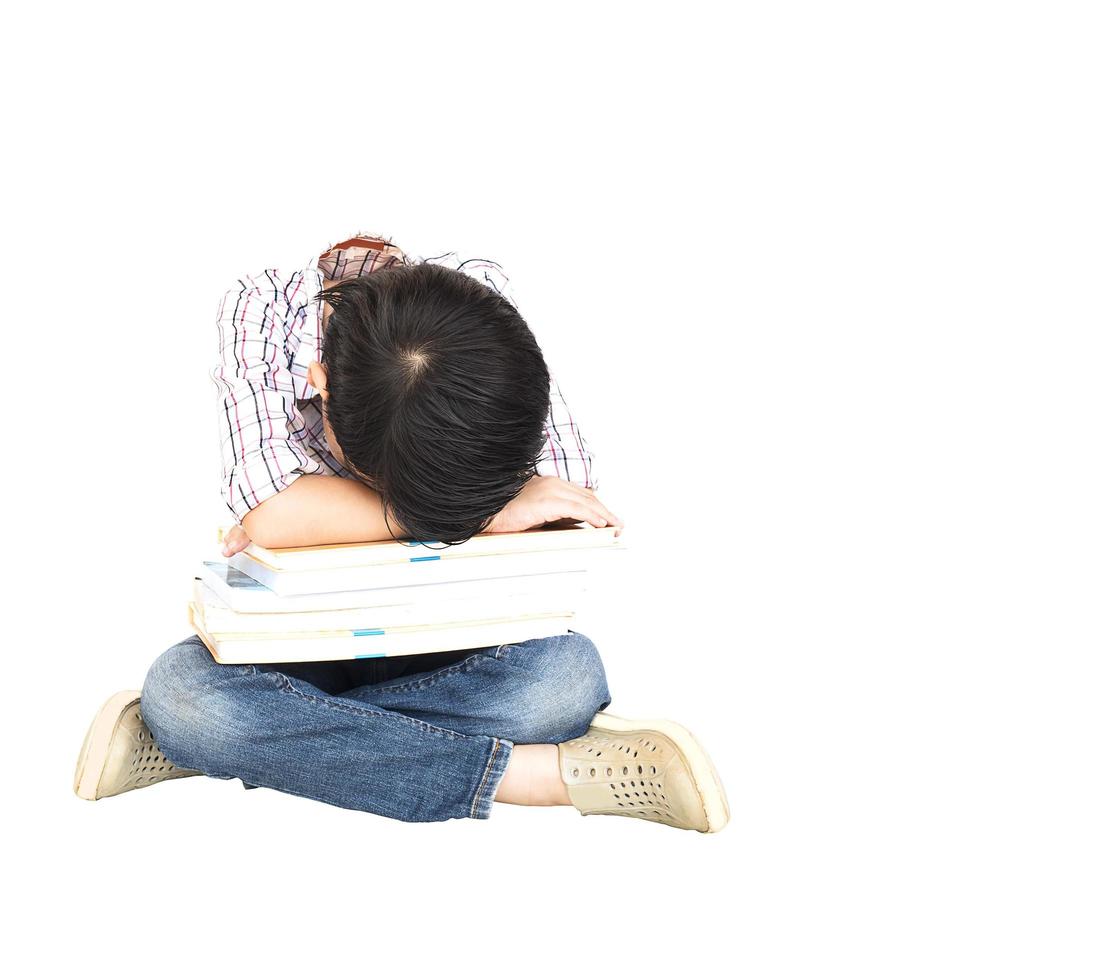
(268, 522)
(256, 527)
(250, 524)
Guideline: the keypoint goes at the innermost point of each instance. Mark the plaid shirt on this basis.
(271, 429)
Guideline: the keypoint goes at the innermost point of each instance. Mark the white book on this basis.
(318, 557)
(243, 594)
(219, 618)
(417, 572)
(404, 641)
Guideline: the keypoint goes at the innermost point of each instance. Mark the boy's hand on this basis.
(235, 541)
(547, 499)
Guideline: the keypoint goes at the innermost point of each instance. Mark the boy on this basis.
(366, 397)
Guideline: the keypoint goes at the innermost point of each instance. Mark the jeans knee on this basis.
(569, 688)
(181, 703)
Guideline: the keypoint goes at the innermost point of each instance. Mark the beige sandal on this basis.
(655, 770)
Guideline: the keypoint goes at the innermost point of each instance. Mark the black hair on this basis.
(437, 396)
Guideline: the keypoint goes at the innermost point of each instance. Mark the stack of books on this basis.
(395, 598)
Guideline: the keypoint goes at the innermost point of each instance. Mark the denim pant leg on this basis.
(271, 729)
(538, 691)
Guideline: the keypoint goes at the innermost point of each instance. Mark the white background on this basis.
(826, 286)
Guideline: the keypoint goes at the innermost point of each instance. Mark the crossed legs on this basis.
(432, 745)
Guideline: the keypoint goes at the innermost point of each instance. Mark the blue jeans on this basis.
(415, 738)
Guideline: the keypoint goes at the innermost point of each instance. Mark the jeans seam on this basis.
(485, 776)
(438, 674)
(285, 685)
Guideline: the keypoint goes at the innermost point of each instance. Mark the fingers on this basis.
(570, 500)
(235, 541)
(610, 516)
(587, 507)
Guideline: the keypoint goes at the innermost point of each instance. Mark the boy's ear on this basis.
(318, 378)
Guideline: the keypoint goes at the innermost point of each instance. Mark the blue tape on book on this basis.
(364, 656)
(368, 632)
(426, 558)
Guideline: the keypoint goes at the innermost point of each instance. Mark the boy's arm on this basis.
(316, 509)
(262, 433)
(269, 481)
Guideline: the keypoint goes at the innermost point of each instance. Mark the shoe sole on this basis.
(98, 739)
(706, 779)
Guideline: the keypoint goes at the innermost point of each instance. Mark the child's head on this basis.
(435, 393)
